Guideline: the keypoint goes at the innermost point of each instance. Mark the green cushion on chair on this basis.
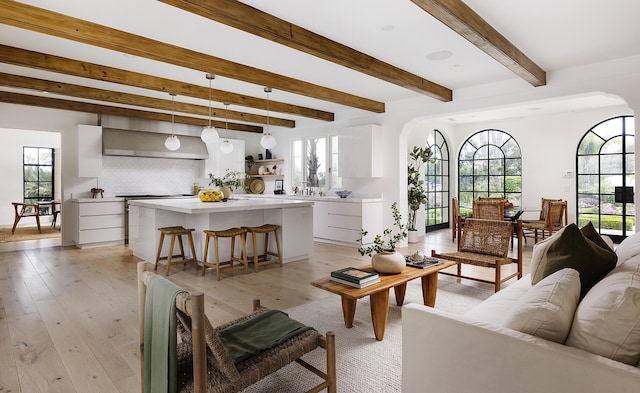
(258, 334)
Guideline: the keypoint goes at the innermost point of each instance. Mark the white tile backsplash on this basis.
(140, 175)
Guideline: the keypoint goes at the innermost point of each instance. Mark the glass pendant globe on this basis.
(209, 135)
(268, 141)
(226, 147)
(172, 143)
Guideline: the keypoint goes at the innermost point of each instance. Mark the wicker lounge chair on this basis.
(485, 243)
(205, 364)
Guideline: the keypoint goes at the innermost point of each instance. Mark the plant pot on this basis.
(413, 236)
(391, 262)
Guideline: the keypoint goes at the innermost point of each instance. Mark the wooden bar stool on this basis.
(263, 259)
(175, 232)
(227, 233)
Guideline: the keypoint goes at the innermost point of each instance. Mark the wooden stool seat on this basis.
(263, 259)
(231, 233)
(175, 232)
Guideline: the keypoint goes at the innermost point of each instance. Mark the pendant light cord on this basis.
(173, 109)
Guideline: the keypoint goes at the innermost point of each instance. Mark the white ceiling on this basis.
(554, 34)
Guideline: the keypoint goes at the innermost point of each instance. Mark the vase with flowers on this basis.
(384, 257)
(227, 184)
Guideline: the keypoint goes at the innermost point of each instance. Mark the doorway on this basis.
(605, 168)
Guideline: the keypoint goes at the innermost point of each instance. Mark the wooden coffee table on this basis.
(379, 293)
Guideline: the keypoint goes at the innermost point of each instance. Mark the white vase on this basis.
(388, 262)
(226, 192)
(413, 237)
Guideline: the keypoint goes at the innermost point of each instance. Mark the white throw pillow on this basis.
(607, 321)
(629, 248)
(539, 255)
(547, 309)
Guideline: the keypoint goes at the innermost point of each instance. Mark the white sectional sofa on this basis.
(477, 352)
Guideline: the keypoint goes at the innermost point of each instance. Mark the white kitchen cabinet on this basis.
(89, 150)
(100, 223)
(341, 222)
(297, 233)
(360, 150)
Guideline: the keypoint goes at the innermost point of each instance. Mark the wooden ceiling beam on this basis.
(466, 22)
(251, 20)
(72, 90)
(42, 61)
(59, 25)
(77, 106)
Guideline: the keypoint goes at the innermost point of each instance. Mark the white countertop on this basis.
(96, 200)
(193, 205)
(317, 198)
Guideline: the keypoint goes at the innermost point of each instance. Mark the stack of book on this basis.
(355, 277)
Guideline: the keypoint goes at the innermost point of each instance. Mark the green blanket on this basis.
(160, 336)
(265, 331)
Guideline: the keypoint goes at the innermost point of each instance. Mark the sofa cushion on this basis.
(547, 309)
(573, 250)
(629, 248)
(590, 233)
(539, 256)
(607, 320)
(494, 310)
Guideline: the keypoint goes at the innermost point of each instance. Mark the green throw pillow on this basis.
(575, 251)
(590, 233)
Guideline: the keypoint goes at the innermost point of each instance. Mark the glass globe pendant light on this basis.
(172, 142)
(209, 133)
(226, 146)
(267, 141)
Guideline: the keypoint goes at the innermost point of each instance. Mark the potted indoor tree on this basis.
(416, 192)
(384, 257)
(231, 181)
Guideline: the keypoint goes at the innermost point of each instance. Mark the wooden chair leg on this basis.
(266, 246)
(498, 277)
(193, 251)
(331, 362)
(171, 244)
(38, 220)
(155, 267)
(217, 254)
(206, 251)
(278, 247)
(255, 251)
(243, 252)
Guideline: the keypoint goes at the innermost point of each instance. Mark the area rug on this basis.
(28, 233)
(364, 364)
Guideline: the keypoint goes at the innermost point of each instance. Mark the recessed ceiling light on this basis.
(388, 27)
(440, 55)
(458, 65)
(535, 108)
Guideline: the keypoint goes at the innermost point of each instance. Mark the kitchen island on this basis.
(146, 216)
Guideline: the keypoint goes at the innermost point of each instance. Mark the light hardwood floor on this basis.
(68, 317)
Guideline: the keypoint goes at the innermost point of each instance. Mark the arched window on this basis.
(437, 183)
(489, 164)
(605, 169)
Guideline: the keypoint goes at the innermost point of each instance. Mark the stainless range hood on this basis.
(117, 142)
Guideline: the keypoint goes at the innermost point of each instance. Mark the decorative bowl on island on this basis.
(343, 193)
